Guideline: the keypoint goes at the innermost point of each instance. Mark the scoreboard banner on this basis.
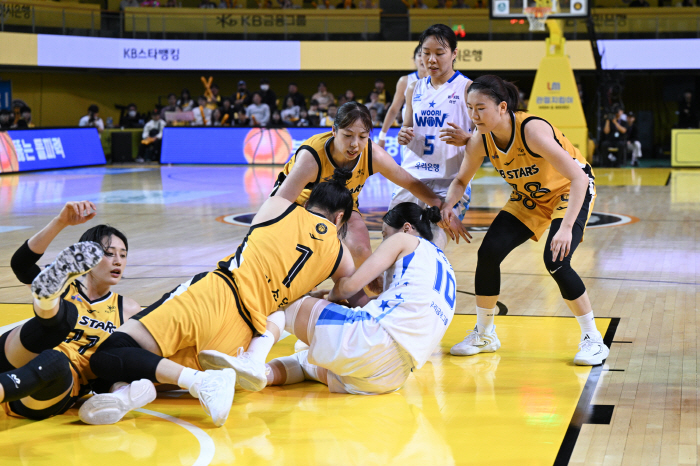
(42, 149)
(258, 146)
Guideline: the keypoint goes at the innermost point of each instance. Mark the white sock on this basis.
(587, 323)
(484, 319)
(46, 304)
(260, 347)
(189, 380)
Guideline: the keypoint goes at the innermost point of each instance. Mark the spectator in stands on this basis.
(290, 114)
(346, 5)
(314, 114)
(296, 96)
(366, 5)
(92, 119)
(242, 119)
(303, 119)
(329, 119)
(185, 103)
(242, 97)
(374, 103)
(202, 114)
(639, 3)
(615, 130)
(350, 96)
(171, 107)
(258, 111)
(384, 96)
(276, 120)
(417, 4)
(341, 100)
(216, 117)
(151, 139)
(228, 115)
(633, 144)
(131, 118)
(376, 121)
(5, 119)
(267, 95)
(479, 4)
(323, 97)
(25, 118)
(206, 4)
(215, 99)
(324, 5)
(128, 4)
(687, 111)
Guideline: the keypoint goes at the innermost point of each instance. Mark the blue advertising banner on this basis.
(41, 149)
(245, 145)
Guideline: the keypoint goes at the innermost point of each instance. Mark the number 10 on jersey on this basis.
(441, 276)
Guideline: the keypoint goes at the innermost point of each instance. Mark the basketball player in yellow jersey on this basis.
(45, 361)
(348, 147)
(288, 251)
(553, 187)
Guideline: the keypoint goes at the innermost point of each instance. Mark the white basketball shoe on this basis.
(215, 392)
(591, 351)
(72, 262)
(477, 342)
(251, 374)
(108, 408)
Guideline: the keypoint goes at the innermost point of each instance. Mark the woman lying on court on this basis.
(45, 361)
(553, 187)
(372, 350)
(347, 146)
(288, 251)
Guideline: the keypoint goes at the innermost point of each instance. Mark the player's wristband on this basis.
(382, 135)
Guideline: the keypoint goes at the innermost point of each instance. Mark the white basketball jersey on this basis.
(413, 77)
(418, 301)
(427, 157)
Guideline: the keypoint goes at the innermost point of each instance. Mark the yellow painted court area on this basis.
(504, 408)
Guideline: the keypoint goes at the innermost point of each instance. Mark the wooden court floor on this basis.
(526, 404)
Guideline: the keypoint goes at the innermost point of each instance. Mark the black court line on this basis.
(621, 342)
(591, 278)
(613, 370)
(586, 413)
(502, 308)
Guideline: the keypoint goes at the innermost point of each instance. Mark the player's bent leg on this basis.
(295, 369)
(108, 408)
(39, 410)
(72, 262)
(43, 378)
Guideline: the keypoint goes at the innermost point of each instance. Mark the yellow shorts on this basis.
(204, 316)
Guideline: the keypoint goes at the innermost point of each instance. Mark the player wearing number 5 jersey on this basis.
(432, 103)
(553, 187)
(288, 251)
(45, 361)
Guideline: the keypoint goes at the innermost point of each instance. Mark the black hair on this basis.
(442, 33)
(94, 108)
(214, 86)
(172, 94)
(99, 232)
(332, 195)
(25, 109)
(131, 105)
(264, 81)
(417, 50)
(185, 90)
(349, 113)
(498, 90)
(420, 219)
(201, 97)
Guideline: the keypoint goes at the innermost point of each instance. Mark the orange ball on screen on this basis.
(264, 145)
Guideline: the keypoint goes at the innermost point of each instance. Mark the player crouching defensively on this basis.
(372, 349)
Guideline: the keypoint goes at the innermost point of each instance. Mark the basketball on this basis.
(273, 146)
(8, 156)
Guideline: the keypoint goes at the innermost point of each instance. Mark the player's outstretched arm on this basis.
(386, 254)
(387, 166)
(394, 109)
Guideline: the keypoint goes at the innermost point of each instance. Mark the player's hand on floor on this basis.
(454, 136)
(75, 213)
(405, 135)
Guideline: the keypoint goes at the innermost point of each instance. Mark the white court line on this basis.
(206, 444)
(11, 326)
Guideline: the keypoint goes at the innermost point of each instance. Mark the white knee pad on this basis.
(290, 314)
(291, 364)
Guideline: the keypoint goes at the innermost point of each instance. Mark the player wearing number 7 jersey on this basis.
(288, 251)
(553, 187)
(45, 361)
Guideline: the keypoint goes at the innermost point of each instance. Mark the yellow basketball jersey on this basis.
(96, 321)
(320, 147)
(540, 192)
(279, 261)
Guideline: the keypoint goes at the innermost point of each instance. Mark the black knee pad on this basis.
(570, 284)
(121, 359)
(4, 363)
(53, 368)
(487, 280)
(55, 409)
(39, 334)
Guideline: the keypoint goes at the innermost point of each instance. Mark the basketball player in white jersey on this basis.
(432, 103)
(399, 102)
(373, 349)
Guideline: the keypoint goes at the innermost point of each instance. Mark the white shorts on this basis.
(439, 187)
(361, 357)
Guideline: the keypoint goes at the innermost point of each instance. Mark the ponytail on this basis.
(420, 219)
(498, 90)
